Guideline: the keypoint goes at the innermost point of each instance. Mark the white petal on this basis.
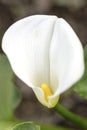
(44, 49)
(27, 44)
(66, 58)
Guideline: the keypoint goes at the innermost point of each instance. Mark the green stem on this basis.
(76, 119)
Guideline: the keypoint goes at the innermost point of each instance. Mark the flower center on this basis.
(47, 91)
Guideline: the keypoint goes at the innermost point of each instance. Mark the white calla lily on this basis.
(46, 54)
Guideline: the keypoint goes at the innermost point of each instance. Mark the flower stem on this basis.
(76, 119)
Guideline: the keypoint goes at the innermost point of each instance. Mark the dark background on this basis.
(75, 12)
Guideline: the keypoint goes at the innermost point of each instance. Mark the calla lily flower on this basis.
(46, 54)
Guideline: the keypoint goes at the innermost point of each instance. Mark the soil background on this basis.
(75, 12)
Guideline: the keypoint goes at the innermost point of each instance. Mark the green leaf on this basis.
(18, 126)
(16, 98)
(9, 95)
(7, 125)
(26, 126)
(81, 86)
(47, 127)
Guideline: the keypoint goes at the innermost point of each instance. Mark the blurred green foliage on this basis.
(26, 126)
(9, 94)
(46, 127)
(12, 125)
(81, 86)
